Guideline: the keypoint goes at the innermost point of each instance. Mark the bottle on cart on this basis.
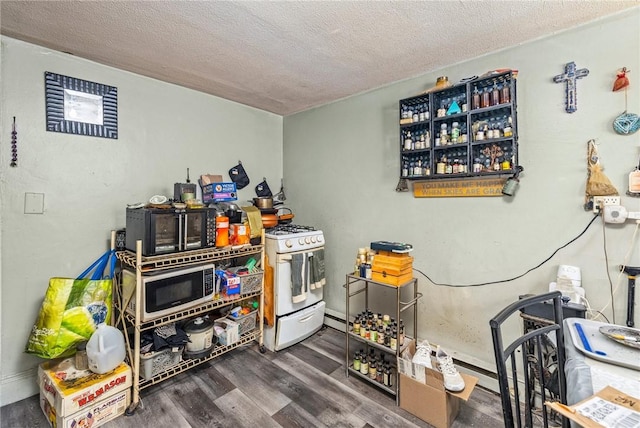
(380, 335)
(364, 365)
(393, 342)
(372, 369)
(386, 374)
(356, 325)
(356, 361)
(401, 333)
(387, 336)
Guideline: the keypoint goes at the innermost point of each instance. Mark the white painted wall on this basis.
(341, 164)
(87, 182)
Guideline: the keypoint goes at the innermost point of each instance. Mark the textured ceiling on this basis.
(285, 57)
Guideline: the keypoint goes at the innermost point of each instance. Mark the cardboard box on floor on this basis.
(69, 390)
(422, 391)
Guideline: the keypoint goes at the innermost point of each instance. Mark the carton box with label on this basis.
(95, 414)
(69, 390)
(422, 391)
(219, 192)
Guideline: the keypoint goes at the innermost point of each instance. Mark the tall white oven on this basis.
(295, 253)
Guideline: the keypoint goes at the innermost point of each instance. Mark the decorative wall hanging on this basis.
(570, 75)
(14, 144)
(598, 184)
(626, 123)
(76, 106)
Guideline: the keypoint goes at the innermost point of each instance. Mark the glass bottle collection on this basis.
(414, 113)
(376, 367)
(429, 146)
(381, 329)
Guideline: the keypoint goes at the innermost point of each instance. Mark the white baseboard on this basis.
(19, 386)
(331, 320)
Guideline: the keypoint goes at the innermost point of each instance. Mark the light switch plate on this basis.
(34, 203)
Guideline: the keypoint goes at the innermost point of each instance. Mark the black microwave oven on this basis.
(165, 231)
(168, 292)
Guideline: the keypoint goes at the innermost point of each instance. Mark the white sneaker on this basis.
(423, 354)
(452, 379)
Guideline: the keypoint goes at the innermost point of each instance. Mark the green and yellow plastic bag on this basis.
(72, 309)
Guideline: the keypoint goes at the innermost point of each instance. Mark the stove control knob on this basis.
(319, 239)
(301, 241)
(288, 243)
(313, 239)
(307, 240)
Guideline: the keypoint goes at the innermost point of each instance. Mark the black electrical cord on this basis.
(515, 277)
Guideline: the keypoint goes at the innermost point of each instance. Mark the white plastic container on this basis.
(105, 349)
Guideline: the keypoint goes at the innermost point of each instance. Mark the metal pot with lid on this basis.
(263, 202)
(200, 333)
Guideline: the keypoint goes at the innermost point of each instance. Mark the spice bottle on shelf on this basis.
(505, 93)
(356, 361)
(485, 98)
(495, 95)
(455, 132)
(508, 130)
(475, 98)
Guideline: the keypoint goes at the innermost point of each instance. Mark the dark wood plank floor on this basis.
(302, 386)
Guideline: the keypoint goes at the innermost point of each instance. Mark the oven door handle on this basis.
(283, 258)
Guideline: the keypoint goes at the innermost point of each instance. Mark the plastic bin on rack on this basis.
(154, 363)
(251, 283)
(246, 323)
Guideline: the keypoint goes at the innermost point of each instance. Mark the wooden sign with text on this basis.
(490, 186)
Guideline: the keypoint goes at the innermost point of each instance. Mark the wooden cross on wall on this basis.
(571, 74)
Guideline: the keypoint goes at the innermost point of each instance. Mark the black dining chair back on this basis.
(540, 360)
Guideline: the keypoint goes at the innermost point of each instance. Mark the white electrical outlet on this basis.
(603, 201)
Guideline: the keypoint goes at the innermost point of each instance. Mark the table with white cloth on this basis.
(587, 373)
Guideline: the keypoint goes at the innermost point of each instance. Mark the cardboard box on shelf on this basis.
(93, 415)
(219, 192)
(422, 392)
(69, 390)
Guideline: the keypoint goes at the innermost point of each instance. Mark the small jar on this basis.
(81, 360)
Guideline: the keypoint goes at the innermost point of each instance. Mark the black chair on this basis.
(541, 361)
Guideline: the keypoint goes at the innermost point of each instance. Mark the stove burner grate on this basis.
(286, 229)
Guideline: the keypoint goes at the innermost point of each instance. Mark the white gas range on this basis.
(296, 254)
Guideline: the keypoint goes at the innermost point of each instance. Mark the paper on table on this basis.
(608, 414)
(607, 408)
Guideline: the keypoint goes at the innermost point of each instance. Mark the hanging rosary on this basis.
(14, 144)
